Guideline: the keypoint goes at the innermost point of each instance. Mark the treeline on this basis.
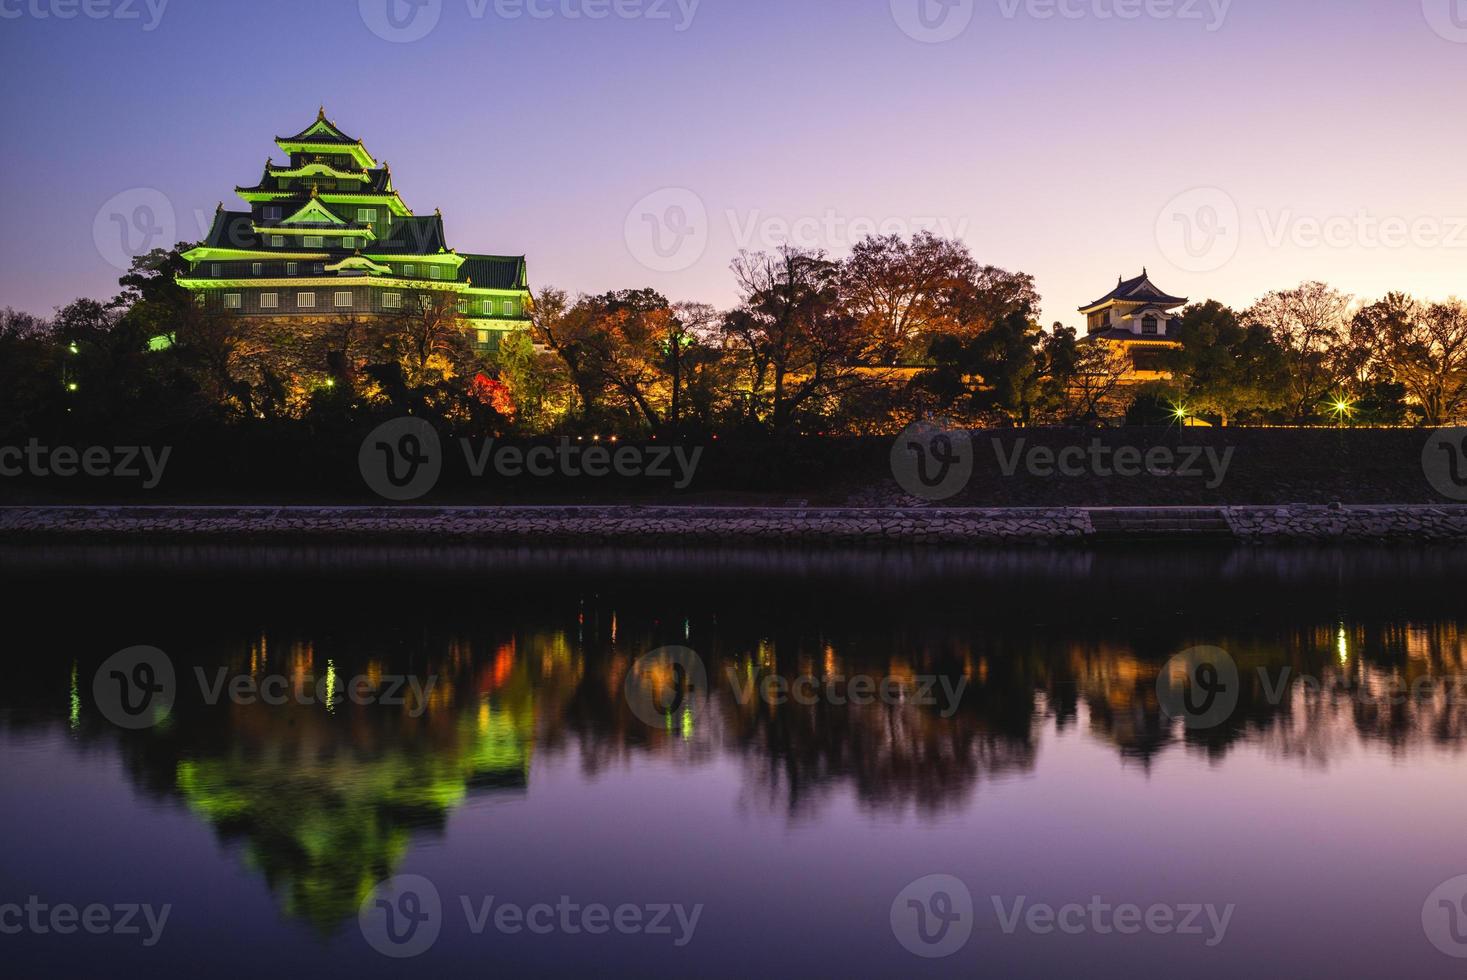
(902, 328)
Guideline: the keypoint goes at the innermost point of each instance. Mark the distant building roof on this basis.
(417, 235)
(493, 271)
(1138, 290)
(321, 131)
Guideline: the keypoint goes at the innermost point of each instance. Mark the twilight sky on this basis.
(1231, 147)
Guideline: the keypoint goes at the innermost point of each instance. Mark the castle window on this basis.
(215, 270)
(1150, 325)
(463, 306)
(348, 242)
(392, 301)
(314, 241)
(305, 301)
(233, 301)
(435, 272)
(410, 270)
(257, 269)
(269, 301)
(489, 307)
(274, 213)
(343, 300)
(292, 268)
(277, 241)
(365, 215)
(509, 307)
(483, 338)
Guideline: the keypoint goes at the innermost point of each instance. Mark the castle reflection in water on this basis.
(324, 799)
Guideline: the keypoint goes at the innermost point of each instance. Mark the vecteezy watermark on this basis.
(932, 21)
(1210, 13)
(405, 21)
(402, 459)
(133, 223)
(1363, 230)
(148, 12)
(932, 460)
(1201, 686)
(64, 919)
(1444, 917)
(1200, 230)
(1448, 18)
(67, 462)
(933, 916)
(1102, 918)
(597, 461)
(1100, 460)
(136, 688)
(859, 690)
(404, 916)
(665, 685)
(667, 231)
(832, 229)
(936, 21)
(1444, 461)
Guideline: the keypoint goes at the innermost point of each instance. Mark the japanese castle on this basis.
(327, 236)
(1139, 318)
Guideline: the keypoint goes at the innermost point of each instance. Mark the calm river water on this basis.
(399, 763)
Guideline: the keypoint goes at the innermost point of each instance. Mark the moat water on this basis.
(837, 763)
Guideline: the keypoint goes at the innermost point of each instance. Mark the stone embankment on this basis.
(656, 525)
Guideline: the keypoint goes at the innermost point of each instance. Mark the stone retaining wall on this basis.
(1375, 523)
(654, 525)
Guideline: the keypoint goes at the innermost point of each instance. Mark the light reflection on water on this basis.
(522, 769)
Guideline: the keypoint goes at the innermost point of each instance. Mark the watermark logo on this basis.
(1444, 917)
(401, 460)
(401, 21)
(142, 463)
(1211, 13)
(1448, 18)
(64, 919)
(832, 229)
(596, 461)
(1445, 462)
(665, 684)
(667, 231)
(933, 916)
(932, 21)
(135, 688)
(1200, 230)
(1130, 462)
(133, 223)
(91, 9)
(1201, 686)
(402, 917)
(932, 461)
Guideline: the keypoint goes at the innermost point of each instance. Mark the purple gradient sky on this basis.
(1053, 145)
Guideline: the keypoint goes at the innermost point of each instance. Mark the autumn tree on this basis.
(1422, 347)
(902, 292)
(801, 345)
(1309, 324)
